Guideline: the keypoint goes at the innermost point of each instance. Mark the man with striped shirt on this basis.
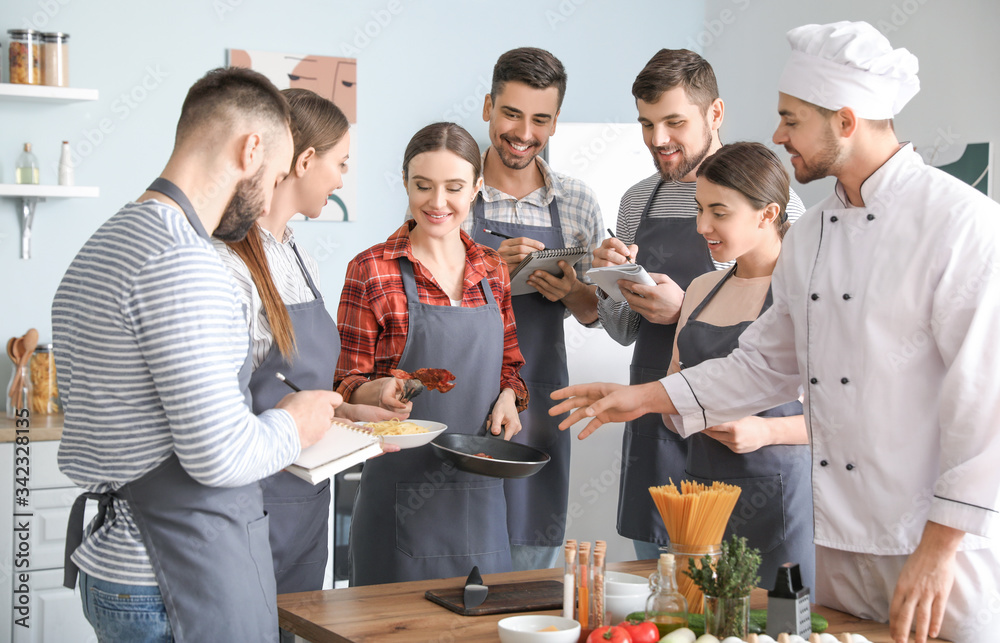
(152, 353)
(680, 111)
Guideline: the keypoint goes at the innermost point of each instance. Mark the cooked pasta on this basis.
(695, 518)
(395, 427)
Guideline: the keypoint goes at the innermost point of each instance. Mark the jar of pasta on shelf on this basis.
(24, 57)
(45, 395)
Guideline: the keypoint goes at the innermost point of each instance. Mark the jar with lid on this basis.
(55, 59)
(45, 395)
(24, 57)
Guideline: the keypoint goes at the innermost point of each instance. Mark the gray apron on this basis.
(415, 516)
(208, 545)
(299, 511)
(536, 506)
(653, 453)
(774, 512)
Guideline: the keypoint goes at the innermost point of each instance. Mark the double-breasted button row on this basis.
(826, 463)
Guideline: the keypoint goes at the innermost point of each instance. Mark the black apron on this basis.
(774, 512)
(415, 516)
(208, 545)
(536, 506)
(653, 453)
(299, 511)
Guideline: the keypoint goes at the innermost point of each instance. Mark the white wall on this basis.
(956, 43)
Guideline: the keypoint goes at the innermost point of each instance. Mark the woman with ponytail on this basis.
(290, 330)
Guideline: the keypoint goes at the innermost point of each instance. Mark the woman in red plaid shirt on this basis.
(429, 296)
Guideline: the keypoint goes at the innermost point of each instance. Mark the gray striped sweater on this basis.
(149, 336)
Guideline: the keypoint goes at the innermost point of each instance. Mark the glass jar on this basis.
(19, 391)
(55, 59)
(45, 399)
(24, 57)
(682, 553)
(727, 616)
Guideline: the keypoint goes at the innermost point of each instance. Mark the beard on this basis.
(824, 163)
(246, 204)
(516, 162)
(688, 161)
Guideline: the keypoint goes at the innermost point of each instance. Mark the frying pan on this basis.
(510, 459)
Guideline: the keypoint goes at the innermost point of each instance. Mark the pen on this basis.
(497, 234)
(628, 257)
(288, 382)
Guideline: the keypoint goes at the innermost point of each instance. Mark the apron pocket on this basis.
(451, 518)
(260, 552)
(298, 535)
(759, 514)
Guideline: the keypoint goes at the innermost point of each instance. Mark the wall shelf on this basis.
(30, 195)
(46, 191)
(46, 93)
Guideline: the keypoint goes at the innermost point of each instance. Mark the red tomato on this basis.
(611, 633)
(646, 632)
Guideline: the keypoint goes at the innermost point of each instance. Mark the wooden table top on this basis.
(40, 427)
(399, 611)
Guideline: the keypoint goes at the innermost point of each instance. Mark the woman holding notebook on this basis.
(430, 297)
(291, 331)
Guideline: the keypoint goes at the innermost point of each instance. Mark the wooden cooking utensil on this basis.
(13, 352)
(23, 348)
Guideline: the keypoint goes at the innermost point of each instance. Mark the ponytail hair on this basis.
(319, 124)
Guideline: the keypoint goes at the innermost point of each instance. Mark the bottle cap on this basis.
(27, 147)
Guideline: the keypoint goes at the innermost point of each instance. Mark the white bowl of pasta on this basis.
(407, 434)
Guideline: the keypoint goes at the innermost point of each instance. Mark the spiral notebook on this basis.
(547, 260)
(343, 446)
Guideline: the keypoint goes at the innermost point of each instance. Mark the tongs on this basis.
(411, 389)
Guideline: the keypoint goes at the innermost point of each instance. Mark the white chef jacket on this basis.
(887, 315)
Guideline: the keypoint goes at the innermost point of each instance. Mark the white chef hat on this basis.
(849, 64)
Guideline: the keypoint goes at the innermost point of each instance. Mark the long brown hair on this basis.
(755, 172)
(319, 124)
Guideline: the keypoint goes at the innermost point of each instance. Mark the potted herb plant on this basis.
(726, 586)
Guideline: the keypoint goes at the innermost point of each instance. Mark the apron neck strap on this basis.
(652, 197)
(410, 284)
(704, 302)
(479, 210)
(305, 273)
(171, 191)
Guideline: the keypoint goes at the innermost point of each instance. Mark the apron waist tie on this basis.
(75, 529)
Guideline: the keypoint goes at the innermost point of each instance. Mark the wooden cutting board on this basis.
(529, 596)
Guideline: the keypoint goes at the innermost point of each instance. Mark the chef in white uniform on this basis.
(886, 310)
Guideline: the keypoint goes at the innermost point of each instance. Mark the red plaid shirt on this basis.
(373, 319)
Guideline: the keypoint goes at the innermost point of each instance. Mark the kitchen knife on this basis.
(475, 591)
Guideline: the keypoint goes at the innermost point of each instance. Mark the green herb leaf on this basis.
(733, 576)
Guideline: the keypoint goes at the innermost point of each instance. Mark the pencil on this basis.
(497, 234)
(288, 382)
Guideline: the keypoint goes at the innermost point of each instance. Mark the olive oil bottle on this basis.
(27, 167)
(666, 606)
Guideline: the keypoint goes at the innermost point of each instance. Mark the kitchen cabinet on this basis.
(54, 612)
(30, 195)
